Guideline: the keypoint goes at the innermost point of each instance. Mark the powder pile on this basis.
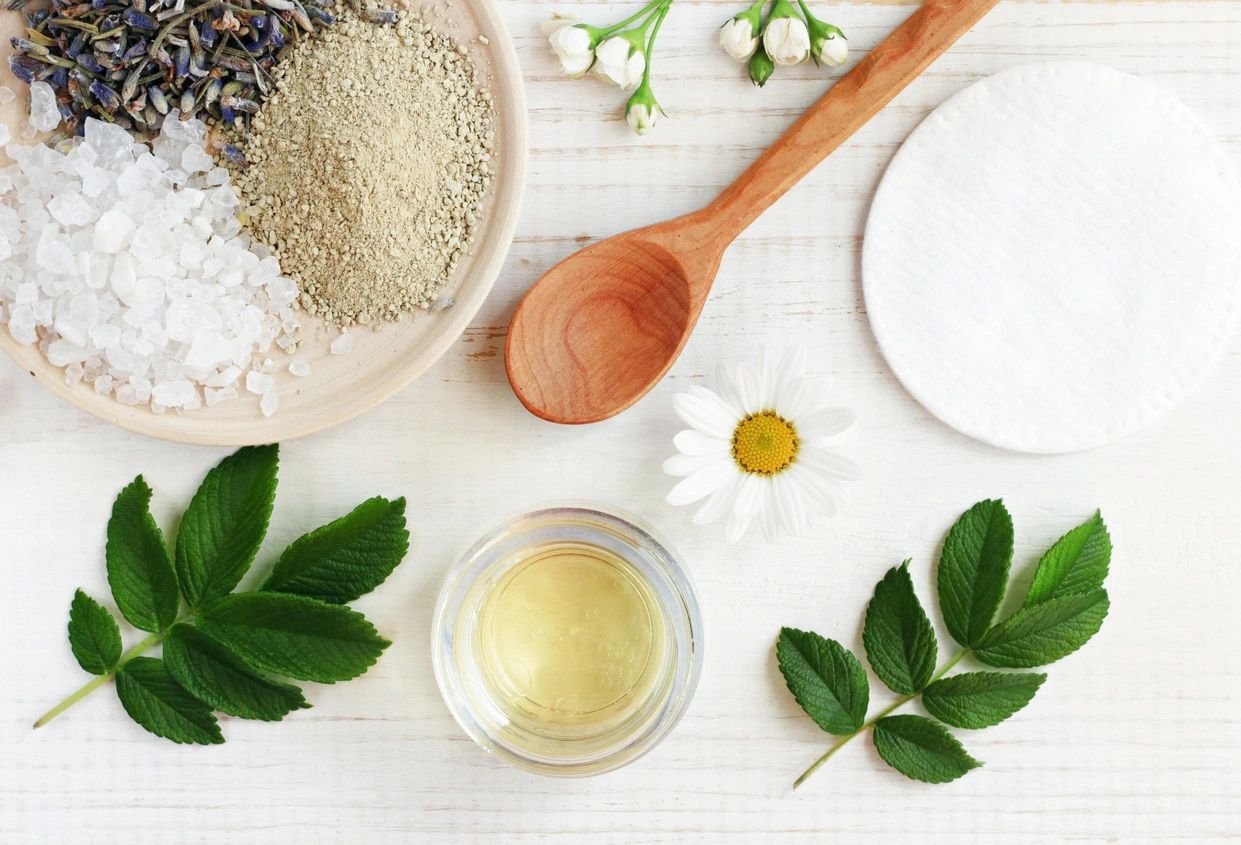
(126, 265)
(368, 167)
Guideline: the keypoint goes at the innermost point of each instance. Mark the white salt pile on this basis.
(126, 265)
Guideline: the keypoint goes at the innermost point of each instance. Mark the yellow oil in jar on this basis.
(570, 638)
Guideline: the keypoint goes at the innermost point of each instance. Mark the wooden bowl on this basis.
(381, 361)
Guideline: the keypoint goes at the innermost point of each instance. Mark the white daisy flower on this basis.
(757, 449)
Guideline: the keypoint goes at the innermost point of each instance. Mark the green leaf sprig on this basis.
(1063, 608)
(221, 649)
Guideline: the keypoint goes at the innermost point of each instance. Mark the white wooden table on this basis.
(1137, 737)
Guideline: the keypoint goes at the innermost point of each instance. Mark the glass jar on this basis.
(568, 641)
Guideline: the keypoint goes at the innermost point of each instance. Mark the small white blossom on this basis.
(738, 38)
(572, 43)
(831, 50)
(620, 61)
(787, 40)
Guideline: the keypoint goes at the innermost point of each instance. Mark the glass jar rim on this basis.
(651, 556)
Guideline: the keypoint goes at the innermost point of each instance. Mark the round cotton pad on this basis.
(1053, 258)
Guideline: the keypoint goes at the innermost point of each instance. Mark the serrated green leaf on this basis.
(94, 636)
(973, 570)
(217, 677)
(898, 637)
(826, 679)
(139, 567)
(1044, 633)
(347, 558)
(980, 699)
(921, 749)
(1077, 563)
(294, 636)
(225, 523)
(154, 700)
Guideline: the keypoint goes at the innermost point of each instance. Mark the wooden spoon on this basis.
(602, 327)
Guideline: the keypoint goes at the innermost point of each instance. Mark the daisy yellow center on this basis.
(765, 443)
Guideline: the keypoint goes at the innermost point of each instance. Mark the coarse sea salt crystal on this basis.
(299, 368)
(342, 344)
(268, 404)
(6, 95)
(149, 307)
(44, 114)
(259, 383)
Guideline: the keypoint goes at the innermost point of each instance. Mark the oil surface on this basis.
(570, 635)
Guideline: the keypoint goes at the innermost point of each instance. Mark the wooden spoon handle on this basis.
(852, 101)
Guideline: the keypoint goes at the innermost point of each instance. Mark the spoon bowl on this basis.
(608, 322)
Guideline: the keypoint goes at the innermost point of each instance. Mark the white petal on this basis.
(825, 422)
(813, 488)
(792, 367)
(751, 496)
(690, 442)
(737, 527)
(719, 503)
(710, 416)
(710, 395)
(726, 386)
(702, 483)
(683, 465)
(749, 388)
(788, 496)
(796, 400)
(767, 378)
(821, 391)
(769, 519)
(830, 464)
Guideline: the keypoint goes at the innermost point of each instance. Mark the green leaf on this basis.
(826, 679)
(973, 570)
(921, 749)
(294, 636)
(980, 699)
(94, 636)
(1044, 633)
(217, 677)
(139, 568)
(347, 558)
(1077, 563)
(153, 699)
(898, 637)
(225, 523)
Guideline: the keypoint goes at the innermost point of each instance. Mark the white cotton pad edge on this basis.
(1053, 257)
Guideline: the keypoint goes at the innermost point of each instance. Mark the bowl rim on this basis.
(508, 90)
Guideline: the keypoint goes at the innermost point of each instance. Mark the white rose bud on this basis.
(828, 44)
(640, 117)
(787, 40)
(621, 61)
(642, 110)
(573, 44)
(738, 38)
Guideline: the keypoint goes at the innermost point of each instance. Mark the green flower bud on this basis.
(761, 67)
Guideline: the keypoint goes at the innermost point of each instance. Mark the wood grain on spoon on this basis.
(602, 327)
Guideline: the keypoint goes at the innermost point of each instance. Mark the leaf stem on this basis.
(870, 723)
(143, 645)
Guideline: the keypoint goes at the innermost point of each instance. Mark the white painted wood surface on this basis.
(1137, 737)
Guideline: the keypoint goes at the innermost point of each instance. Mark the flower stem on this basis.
(650, 44)
(870, 723)
(145, 644)
(637, 15)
